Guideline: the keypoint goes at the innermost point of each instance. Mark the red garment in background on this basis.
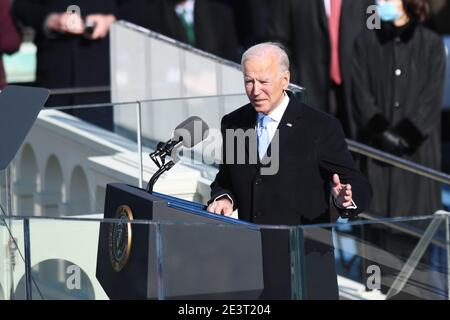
(334, 21)
(10, 38)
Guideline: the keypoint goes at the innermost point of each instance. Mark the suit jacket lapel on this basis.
(249, 123)
(289, 120)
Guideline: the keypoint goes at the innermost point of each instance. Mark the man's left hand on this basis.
(342, 193)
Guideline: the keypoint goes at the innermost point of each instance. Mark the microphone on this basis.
(188, 133)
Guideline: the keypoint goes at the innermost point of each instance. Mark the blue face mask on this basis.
(387, 11)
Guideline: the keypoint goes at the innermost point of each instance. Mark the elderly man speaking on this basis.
(315, 171)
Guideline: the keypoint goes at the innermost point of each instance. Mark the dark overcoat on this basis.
(398, 79)
(214, 25)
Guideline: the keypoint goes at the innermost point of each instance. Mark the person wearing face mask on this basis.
(397, 77)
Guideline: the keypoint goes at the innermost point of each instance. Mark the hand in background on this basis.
(101, 23)
(389, 141)
(65, 23)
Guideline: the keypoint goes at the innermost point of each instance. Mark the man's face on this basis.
(264, 82)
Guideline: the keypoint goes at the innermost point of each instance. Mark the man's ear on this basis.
(286, 79)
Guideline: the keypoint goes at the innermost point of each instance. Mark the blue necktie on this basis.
(263, 136)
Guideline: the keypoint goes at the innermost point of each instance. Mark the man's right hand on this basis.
(221, 206)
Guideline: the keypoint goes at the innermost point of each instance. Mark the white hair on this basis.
(268, 48)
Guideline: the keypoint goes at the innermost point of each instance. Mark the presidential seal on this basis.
(120, 238)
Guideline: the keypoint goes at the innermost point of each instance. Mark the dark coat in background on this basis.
(252, 20)
(64, 60)
(439, 19)
(303, 27)
(214, 25)
(9, 37)
(398, 78)
(311, 149)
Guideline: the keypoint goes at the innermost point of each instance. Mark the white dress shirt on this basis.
(275, 115)
(327, 7)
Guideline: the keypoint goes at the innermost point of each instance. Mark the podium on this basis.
(174, 249)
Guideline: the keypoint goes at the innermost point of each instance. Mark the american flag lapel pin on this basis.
(289, 124)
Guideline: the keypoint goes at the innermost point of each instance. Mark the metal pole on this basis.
(8, 191)
(8, 196)
(298, 291)
(159, 263)
(139, 144)
(447, 241)
(26, 240)
(363, 269)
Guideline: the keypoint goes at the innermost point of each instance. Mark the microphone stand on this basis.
(159, 158)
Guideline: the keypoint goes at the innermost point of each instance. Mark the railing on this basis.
(398, 162)
(80, 90)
